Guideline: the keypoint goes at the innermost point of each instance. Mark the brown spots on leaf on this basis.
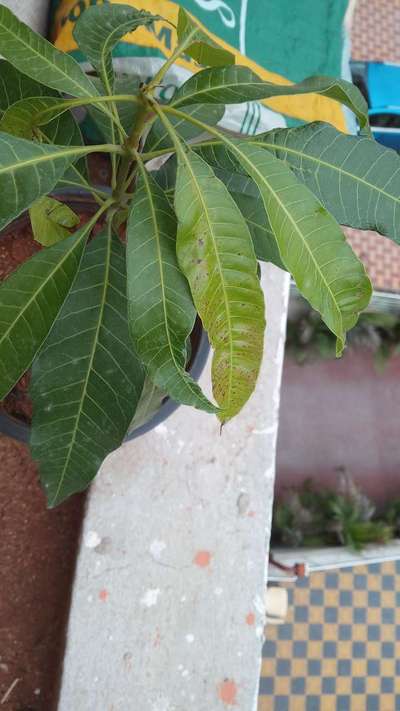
(227, 692)
(202, 559)
(250, 619)
(157, 638)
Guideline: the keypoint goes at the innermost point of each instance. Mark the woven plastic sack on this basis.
(143, 51)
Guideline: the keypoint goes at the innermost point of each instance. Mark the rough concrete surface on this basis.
(167, 611)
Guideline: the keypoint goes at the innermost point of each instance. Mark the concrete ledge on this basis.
(167, 611)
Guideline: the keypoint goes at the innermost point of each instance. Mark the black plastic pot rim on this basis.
(20, 431)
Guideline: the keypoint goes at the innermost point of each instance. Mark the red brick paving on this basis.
(376, 30)
(380, 256)
(375, 35)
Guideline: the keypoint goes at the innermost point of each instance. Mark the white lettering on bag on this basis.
(224, 11)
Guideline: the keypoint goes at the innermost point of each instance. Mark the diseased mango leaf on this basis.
(33, 296)
(87, 380)
(100, 28)
(249, 201)
(199, 45)
(161, 312)
(38, 59)
(235, 85)
(311, 244)
(51, 221)
(216, 254)
(244, 192)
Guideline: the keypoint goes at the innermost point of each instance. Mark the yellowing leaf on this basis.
(216, 254)
(51, 221)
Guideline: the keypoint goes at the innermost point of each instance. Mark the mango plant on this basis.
(102, 321)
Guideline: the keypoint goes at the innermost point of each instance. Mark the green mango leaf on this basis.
(161, 312)
(38, 59)
(199, 45)
(264, 242)
(311, 243)
(100, 28)
(127, 111)
(215, 253)
(33, 295)
(51, 221)
(87, 381)
(159, 138)
(24, 118)
(70, 135)
(165, 177)
(235, 85)
(356, 179)
(15, 86)
(64, 131)
(29, 170)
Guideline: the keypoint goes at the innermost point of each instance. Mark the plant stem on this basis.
(170, 61)
(191, 119)
(105, 206)
(132, 145)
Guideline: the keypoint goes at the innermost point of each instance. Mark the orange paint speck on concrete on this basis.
(250, 618)
(202, 559)
(227, 691)
(103, 595)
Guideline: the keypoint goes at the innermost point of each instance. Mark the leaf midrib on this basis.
(241, 85)
(90, 365)
(178, 102)
(60, 153)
